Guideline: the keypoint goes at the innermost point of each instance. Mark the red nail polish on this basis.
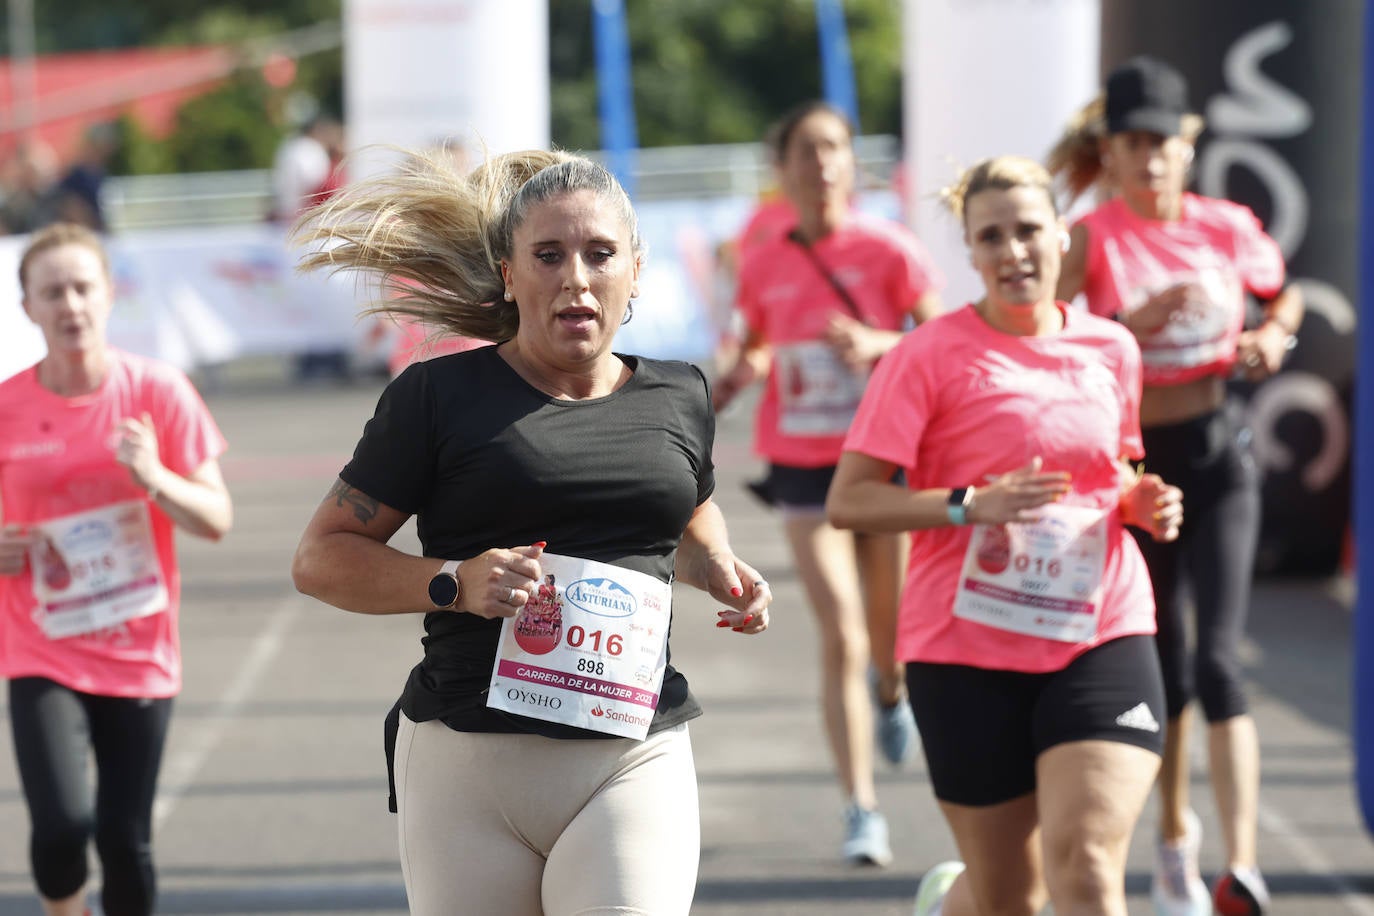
(723, 623)
(739, 629)
(736, 591)
(541, 544)
(747, 620)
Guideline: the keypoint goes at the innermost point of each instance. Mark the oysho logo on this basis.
(534, 698)
(603, 597)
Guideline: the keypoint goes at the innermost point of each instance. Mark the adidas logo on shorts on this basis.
(1138, 716)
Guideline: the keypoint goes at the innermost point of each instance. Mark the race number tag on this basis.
(589, 648)
(818, 394)
(1041, 578)
(96, 569)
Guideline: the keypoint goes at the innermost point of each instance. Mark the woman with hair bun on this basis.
(1026, 619)
(558, 781)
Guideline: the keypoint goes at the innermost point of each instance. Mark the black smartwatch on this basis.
(956, 507)
(444, 588)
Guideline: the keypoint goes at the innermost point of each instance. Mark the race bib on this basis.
(589, 648)
(1200, 334)
(1041, 578)
(96, 569)
(818, 394)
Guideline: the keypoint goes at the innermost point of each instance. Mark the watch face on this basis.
(443, 589)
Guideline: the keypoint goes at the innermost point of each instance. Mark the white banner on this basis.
(983, 78)
(417, 72)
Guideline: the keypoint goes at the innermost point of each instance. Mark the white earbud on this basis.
(1064, 241)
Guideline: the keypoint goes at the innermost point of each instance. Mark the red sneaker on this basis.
(1240, 892)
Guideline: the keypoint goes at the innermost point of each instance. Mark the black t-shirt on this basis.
(483, 460)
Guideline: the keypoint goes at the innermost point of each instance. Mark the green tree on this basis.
(704, 71)
(716, 71)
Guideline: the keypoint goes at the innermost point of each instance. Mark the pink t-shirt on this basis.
(56, 460)
(809, 398)
(957, 401)
(414, 344)
(1216, 245)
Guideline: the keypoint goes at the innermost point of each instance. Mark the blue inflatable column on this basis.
(837, 67)
(1364, 450)
(615, 90)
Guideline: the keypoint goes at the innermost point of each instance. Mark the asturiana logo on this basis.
(603, 597)
(86, 534)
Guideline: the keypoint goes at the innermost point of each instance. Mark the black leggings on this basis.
(54, 728)
(1210, 565)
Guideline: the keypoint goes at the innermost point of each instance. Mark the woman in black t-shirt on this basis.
(549, 778)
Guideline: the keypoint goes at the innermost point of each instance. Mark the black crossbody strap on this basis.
(835, 284)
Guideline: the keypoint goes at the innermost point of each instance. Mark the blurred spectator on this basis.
(76, 197)
(306, 171)
(27, 178)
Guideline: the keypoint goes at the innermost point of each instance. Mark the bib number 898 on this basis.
(590, 666)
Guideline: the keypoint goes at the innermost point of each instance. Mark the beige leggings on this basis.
(521, 825)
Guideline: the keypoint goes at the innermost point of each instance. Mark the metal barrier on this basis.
(676, 172)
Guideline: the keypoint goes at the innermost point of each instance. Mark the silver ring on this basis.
(510, 596)
(759, 584)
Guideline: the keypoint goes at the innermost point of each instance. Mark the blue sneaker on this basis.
(930, 896)
(896, 728)
(865, 837)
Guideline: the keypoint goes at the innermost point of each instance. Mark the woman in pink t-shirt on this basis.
(1173, 268)
(1026, 617)
(102, 455)
(822, 304)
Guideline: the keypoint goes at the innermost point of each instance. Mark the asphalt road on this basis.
(273, 787)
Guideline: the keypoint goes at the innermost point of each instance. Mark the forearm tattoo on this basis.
(364, 506)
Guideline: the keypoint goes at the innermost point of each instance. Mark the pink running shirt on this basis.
(56, 460)
(414, 344)
(783, 296)
(957, 401)
(1217, 245)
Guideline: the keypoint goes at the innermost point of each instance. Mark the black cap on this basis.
(1146, 94)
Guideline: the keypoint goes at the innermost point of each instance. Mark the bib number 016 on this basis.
(577, 636)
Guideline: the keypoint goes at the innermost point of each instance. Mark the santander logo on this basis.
(603, 597)
(598, 711)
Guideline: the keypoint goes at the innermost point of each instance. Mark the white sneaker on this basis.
(1177, 888)
(930, 896)
(865, 837)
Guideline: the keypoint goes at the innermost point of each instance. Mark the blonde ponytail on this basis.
(434, 238)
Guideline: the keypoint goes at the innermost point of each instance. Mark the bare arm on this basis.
(753, 363)
(343, 559)
(198, 502)
(864, 498)
(1260, 352)
(860, 346)
(705, 561)
(927, 307)
(1150, 504)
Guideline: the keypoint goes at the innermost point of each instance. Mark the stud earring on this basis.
(510, 296)
(1064, 242)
